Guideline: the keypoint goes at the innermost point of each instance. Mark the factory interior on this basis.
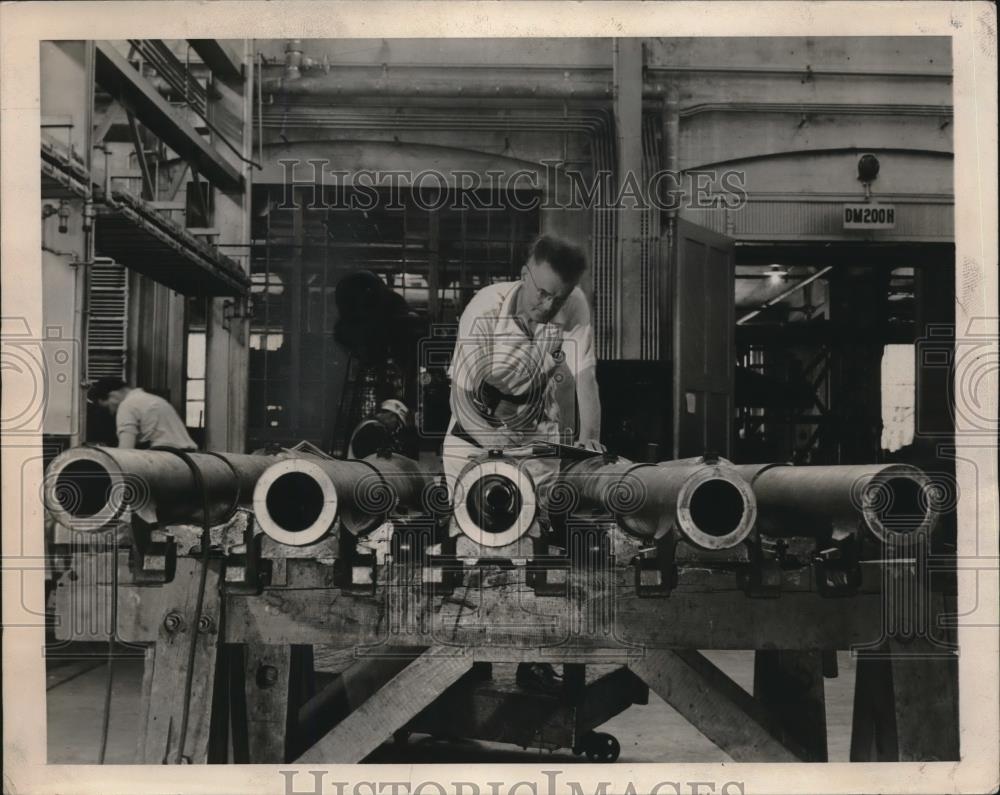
(221, 228)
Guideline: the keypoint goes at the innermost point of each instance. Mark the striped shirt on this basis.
(540, 369)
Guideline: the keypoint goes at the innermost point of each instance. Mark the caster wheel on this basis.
(601, 747)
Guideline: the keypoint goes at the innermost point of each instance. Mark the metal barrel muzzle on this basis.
(495, 501)
(90, 488)
(897, 503)
(707, 502)
(297, 501)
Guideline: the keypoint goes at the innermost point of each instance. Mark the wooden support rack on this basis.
(420, 656)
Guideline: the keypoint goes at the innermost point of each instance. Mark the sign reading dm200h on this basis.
(869, 216)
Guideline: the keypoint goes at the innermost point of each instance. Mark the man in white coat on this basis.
(524, 361)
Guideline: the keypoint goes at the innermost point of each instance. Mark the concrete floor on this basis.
(647, 733)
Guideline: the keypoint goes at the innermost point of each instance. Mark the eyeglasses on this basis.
(545, 295)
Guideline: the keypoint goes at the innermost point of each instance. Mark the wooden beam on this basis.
(167, 667)
(269, 684)
(391, 707)
(117, 76)
(790, 686)
(906, 704)
(267, 689)
(700, 620)
(873, 729)
(715, 705)
(217, 56)
(707, 611)
(219, 735)
(346, 693)
(145, 703)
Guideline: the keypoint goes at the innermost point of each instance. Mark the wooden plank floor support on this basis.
(167, 666)
(275, 681)
(906, 704)
(716, 706)
(348, 691)
(391, 707)
(906, 690)
(789, 684)
(220, 727)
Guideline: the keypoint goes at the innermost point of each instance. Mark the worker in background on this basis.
(142, 420)
(524, 360)
(390, 428)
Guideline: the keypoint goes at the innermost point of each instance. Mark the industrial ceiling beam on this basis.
(148, 188)
(784, 294)
(114, 114)
(123, 81)
(223, 63)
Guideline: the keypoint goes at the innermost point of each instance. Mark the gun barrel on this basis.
(90, 488)
(495, 501)
(897, 503)
(296, 501)
(709, 503)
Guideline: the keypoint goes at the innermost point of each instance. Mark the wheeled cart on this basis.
(483, 706)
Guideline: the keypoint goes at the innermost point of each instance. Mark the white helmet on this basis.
(398, 408)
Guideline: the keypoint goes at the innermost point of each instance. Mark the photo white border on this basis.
(972, 28)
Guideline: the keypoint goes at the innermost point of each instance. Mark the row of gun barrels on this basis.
(298, 498)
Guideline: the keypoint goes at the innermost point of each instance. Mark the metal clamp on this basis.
(656, 571)
(837, 570)
(152, 558)
(761, 578)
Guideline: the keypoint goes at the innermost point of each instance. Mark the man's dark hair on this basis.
(567, 259)
(103, 387)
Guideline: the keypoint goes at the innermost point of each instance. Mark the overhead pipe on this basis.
(706, 501)
(296, 60)
(90, 489)
(896, 503)
(410, 81)
(297, 501)
(562, 82)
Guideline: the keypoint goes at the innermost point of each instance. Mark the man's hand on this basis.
(591, 444)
